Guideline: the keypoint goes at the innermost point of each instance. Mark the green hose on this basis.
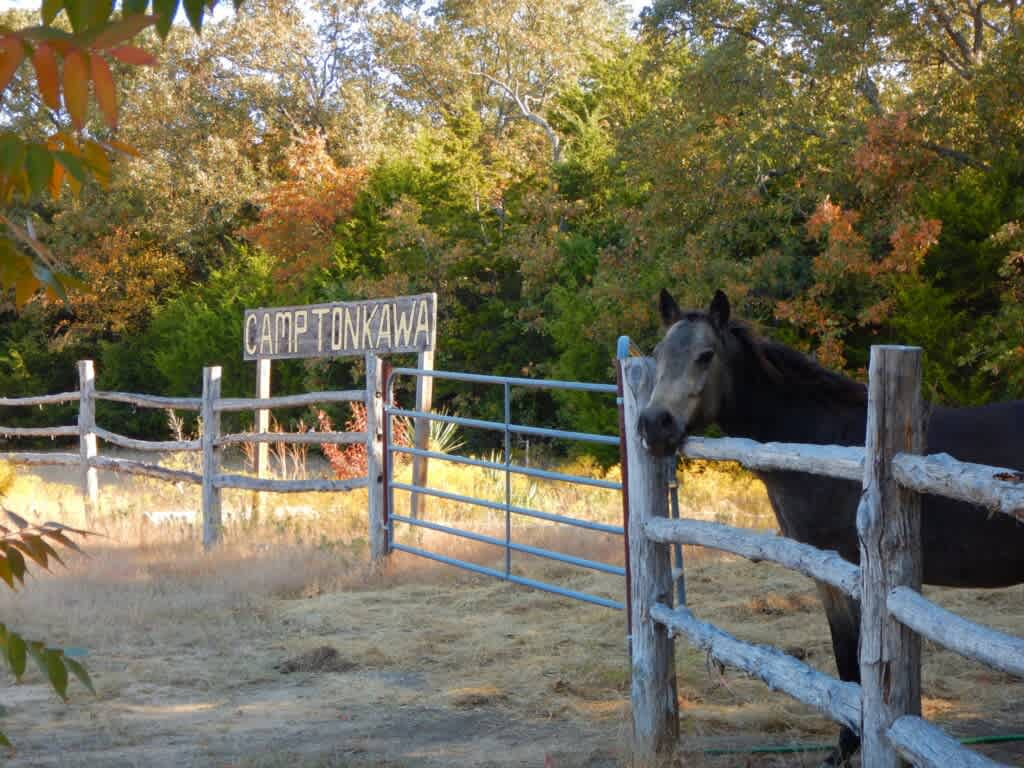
(787, 750)
(998, 739)
(798, 748)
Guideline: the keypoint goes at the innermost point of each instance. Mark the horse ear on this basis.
(719, 311)
(670, 312)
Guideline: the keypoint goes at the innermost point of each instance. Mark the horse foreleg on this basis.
(844, 623)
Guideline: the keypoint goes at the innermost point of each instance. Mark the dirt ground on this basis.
(283, 650)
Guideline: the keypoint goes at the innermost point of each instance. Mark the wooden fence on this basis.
(210, 444)
(885, 708)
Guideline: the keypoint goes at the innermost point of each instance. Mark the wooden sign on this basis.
(382, 326)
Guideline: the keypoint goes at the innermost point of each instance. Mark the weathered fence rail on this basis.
(995, 488)
(928, 746)
(289, 401)
(834, 698)
(38, 431)
(210, 443)
(828, 567)
(60, 397)
(974, 641)
(292, 438)
(287, 486)
(152, 401)
(146, 445)
(885, 708)
(30, 459)
(840, 461)
(144, 469)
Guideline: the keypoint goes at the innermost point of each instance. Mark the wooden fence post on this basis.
(375, 457)
(262, 424)
(653, 681)
(889, 529)
(421, 431)
(211, 456)
(87, 446)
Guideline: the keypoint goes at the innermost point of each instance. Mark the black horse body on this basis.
(963, 545)
(772, 393)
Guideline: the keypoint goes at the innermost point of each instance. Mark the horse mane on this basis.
(792, 371)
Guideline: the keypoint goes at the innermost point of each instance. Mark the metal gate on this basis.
(506, 466)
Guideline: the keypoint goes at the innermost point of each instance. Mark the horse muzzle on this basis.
(660, 431)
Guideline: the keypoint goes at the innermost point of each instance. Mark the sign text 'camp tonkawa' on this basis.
(383, 326)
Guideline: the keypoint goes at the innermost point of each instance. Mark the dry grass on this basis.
(283, 649)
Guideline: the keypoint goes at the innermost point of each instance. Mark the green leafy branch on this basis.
(20, 545)
(67, 66)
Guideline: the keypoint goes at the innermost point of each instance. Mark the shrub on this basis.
(350, 462)
(20, 544)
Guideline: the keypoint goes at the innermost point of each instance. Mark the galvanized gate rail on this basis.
(509, 468)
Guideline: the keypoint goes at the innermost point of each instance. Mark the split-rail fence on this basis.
(210, 443)
(885, 709)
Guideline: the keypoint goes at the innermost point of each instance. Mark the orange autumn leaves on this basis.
(65, 66)
(66, 63)
(864, 258)
(847, 259)
(300, 212)
(126, 277)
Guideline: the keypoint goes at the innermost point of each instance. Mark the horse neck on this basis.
(767, 411)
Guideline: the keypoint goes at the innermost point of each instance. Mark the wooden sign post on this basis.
(421, 438)
(401, 325)
(262, 426)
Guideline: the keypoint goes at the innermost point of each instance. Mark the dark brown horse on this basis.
(711, 370)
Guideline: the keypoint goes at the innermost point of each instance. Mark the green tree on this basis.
(75, 50)
(793, 158)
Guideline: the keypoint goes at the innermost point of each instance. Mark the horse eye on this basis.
(704, 358)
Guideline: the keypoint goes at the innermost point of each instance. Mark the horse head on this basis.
(691, 378)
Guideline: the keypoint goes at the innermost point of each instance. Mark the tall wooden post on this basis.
(87, 446)
(889, 529)
(375, 457)
(262, 425)
(421, 440)
(211, 456)
(655, 705)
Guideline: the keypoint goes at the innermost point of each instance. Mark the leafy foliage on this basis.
(351, 462)
(849, 174)
(299, 213)
(66, 66)
(202, 325)
(20, 545)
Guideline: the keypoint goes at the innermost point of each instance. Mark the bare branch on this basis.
(953, 154)
(978, 18)
(523, 103)
(867, 88)
(959, 68)
(748, 34)
(40, 250)
(953, 33)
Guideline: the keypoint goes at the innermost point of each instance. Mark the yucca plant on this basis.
(20, 545)
(442, 436)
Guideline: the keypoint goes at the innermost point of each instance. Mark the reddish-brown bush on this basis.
(349, 462)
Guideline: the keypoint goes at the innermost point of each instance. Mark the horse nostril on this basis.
(657, 424)
(659, 431)
(650, 424)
